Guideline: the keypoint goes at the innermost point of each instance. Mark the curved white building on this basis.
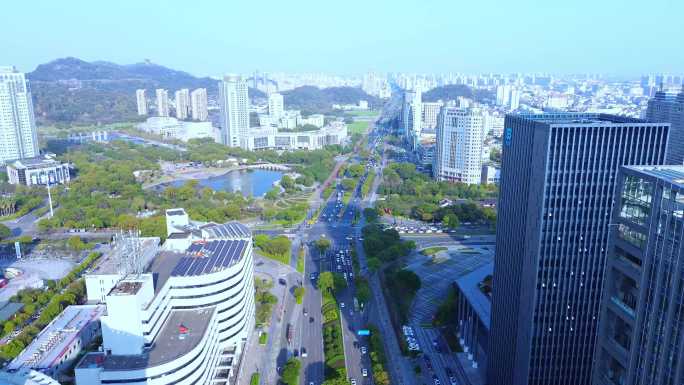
(186, 319)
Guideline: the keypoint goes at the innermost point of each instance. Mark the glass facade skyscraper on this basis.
(557, 187)
(669, 107)
(642, 315)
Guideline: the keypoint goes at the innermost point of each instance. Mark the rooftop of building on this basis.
(126, 288)
(52, 342)
(226, 230)
(114, 260)
(671, 174)
(202, 257)
(45, 160)
(580, 118)
(26, 377)
(173, 212)
(182, 331)
(8, 309)
(471, 285)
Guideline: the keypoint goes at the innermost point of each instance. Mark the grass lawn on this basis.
(362, 113)
(263, 338)
(433, 250)
(358, 128)
(300, 260)
(255, 379)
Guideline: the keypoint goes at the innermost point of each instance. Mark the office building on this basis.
(503, 95)
(198, 102)
(514, 101)
(492, 125)
(473, 313)
(490, 175)
(234, 103)
(430, 113)
(56, 348)
(162, 102)
(271, 138)
(172, 128)
(38, 171)
(640, 335)
(18, 135)
(556, 191)
(669, 107)
(458, 151)
(141, 101)
(276, 106)
(412, 113)
(182, 318)
(182, 97)
(317, 120)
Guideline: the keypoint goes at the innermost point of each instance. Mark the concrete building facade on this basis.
(458, 151)
(162, 102)
(198, 101)
(141, 102)
(234, 102)
(38, 171)
(186, 318)
(18, 134)
(182, 99)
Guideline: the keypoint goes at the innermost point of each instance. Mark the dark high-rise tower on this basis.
(557, 187)
(640, 338)
(669, 107)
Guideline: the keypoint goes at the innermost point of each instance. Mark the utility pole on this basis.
(49, 197)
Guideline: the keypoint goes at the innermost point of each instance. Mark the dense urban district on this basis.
(314, 229)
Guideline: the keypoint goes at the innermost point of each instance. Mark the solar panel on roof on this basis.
(218, 247)
(239, 245)
(198, 266)
(227, 253)
(181, 266)
(228, 246)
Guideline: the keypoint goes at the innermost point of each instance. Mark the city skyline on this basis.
(362, 37)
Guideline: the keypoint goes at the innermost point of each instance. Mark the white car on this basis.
(364, 372)
(342, 305)
(363, 350)
(353, 381)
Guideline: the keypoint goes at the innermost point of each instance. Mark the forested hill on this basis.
(311, 99)
(451, 92)
(71, 90)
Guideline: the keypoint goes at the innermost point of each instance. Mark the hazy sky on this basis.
(350, 36)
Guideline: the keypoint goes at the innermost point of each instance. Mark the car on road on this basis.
(435, 379)
(353, 381)
(282, 281)
(363, 350)
(311, 319)
(342, 305)
(304, 353)
(305, 312)
(365, 372)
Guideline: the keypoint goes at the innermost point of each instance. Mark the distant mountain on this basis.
(71, 90)
(310, 99)
(451, 92)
